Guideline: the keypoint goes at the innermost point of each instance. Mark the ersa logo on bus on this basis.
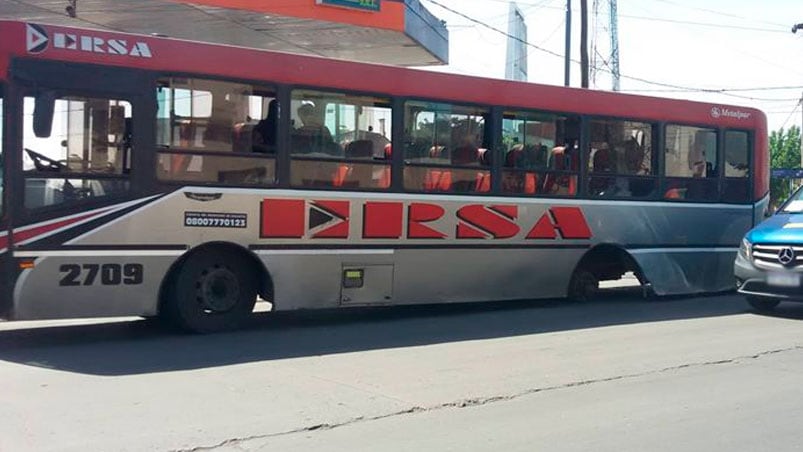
(37, 41)
(332, 219)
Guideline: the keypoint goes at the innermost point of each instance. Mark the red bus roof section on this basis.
(178, 56)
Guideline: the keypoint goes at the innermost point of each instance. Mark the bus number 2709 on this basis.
(110, 274)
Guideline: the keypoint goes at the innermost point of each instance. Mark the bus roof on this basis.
(19, 39)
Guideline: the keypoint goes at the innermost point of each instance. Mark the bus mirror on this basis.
(43, 109)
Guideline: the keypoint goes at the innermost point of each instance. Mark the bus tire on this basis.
(213, 290)
(763, 304)
(583, 285)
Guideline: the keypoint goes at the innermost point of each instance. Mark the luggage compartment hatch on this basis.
(366, 284)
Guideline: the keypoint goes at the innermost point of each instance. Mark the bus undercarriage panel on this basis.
(101, 285)
(685, 271)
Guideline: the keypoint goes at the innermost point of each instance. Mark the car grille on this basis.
(767, 256)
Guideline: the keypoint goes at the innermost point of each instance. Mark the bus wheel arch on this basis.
(227, 276)
(603, 262)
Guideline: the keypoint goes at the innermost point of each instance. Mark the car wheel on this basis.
(762, 304)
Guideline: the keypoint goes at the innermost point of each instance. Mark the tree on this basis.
(784, 153)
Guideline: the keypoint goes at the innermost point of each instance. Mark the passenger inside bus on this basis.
(264, 133)
(696, 178)
(562, 159)
(378, 140)
(220, 130)
(635, 165)
(355, 175)
(519, 156)
(465, 155)
(313, 137)
(603, 162)
(697, 162)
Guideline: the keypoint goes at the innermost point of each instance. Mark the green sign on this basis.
(366, 5)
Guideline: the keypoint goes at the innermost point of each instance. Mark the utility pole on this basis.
(604, 41)
(584, 43)
(567, 64)
(795, 28)
(614, 24)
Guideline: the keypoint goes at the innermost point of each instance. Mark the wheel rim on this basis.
(218, 290)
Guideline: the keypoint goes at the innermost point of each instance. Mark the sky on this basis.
(743, 46)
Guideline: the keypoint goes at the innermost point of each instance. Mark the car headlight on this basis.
(745, 249)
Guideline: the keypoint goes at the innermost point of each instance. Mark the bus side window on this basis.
(539, 153)
(339, 140)
(690, 163)
(206, 132)
(737, 167)
(445, 148)
(620, 159)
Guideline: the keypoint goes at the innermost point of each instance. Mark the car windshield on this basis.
(794, 204)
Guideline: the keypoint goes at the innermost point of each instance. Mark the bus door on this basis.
(74, 152)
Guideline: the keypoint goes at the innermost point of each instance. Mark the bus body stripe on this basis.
(34, 233)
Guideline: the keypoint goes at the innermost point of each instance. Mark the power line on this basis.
(759, 88)
(720, 13)
(791, 114)
(704, 24)
(780, 28)
(630, 77)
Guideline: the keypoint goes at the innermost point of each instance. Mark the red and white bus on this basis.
(152, 176)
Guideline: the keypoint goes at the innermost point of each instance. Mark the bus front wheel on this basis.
(213, 290)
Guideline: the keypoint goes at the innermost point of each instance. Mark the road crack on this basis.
(480, 401)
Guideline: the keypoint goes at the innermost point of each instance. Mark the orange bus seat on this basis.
(384, 179)
(438, 180)
(530, 181)
(673, 193)
(483, 184)
(340, 176)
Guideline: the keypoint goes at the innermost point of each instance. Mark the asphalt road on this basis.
(616, 374)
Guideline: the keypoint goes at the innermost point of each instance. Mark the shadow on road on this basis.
(134, 347)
